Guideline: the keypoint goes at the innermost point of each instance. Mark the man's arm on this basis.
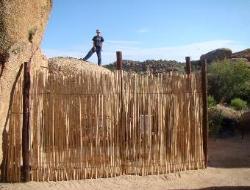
(102, 40)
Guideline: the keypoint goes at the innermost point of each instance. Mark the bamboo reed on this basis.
(90, 126)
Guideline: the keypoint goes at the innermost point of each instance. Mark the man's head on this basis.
(98, 32)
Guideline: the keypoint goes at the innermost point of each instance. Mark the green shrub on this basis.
(238, 104)
(228, 79)
(211, 101)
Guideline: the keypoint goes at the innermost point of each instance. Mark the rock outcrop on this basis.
(218, 54)
(22, 24)
(242, 54)
(22, 20)
(72, 66)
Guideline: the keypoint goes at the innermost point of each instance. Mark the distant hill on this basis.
(152, 66)
(242, 54)
(163, 66)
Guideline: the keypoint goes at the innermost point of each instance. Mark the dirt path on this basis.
(229, 168)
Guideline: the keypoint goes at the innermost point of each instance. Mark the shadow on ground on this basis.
(231, 152)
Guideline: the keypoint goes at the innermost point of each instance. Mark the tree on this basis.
(229, 79)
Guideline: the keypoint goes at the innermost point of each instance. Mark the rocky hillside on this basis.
(218, 54)
(152, 66)
(224, 53)
(242, 54)
(161, 66)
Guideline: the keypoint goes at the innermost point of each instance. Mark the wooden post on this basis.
(121, 129)
(119, 60)
(26, 123)
(188, 65)
(188, 72)
(205, 108)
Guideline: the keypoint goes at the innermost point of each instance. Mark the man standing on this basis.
(97, 47)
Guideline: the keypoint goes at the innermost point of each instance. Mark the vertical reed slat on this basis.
(88, 130)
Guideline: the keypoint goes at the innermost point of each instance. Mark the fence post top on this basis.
(118, 60)
(188, 65)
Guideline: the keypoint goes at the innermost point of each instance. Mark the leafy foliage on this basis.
(211, 101)
(229, 79)
(238, 104)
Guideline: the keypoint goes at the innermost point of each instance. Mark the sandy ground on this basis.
(229, 168)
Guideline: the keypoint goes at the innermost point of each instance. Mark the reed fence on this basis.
(94, 125)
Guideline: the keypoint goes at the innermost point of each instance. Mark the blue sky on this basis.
(147, 29)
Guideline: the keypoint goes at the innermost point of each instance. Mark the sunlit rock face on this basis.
(22, 20)
(22, 25)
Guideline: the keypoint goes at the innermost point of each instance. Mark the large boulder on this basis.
(73, 66)
(22, 24)
(242, 54)
(216, 55)
(22, 20)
